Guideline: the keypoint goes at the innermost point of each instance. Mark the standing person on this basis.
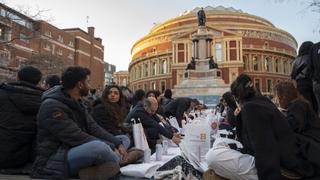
(20, 102)
(111, 112)
(316, 72)
(269, 145)
(302, 73)
(179, 106)
(69, 141)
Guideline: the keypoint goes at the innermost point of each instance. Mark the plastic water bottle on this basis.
(165, 144)
(147, 156)
(158, 152)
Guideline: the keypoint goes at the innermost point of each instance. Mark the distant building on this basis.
(21, 37)
(121, 78)
(241, 42)
(109, 69)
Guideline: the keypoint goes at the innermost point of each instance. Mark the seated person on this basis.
(20, 102)
(230, 106)
(302, 119)
(112, 111)
(299, 113)
(69, 141)
(146, 112)
(177, 107)
(269, 144)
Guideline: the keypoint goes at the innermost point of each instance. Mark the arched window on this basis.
(285, 67)
(246, 63)
(164, 67)
(218, 51)
(146, 70)
(255, 63)
(277, 65)
(139, 72)
(154, 68)
(266, 63)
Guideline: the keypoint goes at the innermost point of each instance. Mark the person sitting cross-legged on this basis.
(20, 102)
(69, 141)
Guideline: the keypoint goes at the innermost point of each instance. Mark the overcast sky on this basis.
(120, 23)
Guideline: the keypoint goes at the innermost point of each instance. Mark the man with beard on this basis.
(69, 141)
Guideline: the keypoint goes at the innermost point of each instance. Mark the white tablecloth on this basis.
(147, 170)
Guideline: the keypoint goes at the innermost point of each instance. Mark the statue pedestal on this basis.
(203, 80)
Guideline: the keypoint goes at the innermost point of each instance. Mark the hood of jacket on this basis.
(59, 93)
(25, 96)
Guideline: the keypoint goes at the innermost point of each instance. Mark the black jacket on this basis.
(20, 102)
(176, 108)
(315, 61)
(303, 120)
(106, 120)
(150, 123)
(266, 135)
(63, 123)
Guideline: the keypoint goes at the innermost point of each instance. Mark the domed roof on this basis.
(215, 12)
(210, 8)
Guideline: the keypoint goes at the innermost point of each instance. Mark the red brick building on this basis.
(240, 43)
(22, 37)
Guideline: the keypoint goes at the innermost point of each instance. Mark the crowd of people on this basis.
(65, 129)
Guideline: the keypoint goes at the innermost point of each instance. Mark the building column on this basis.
(185, 52)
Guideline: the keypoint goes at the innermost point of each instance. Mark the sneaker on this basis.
(100, 172)
(133, 156)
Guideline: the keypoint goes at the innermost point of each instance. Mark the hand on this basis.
(122, 152)
(176, 138)
(237, 111)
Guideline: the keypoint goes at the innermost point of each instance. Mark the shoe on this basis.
(211, 175)
(287, 174)
(133, 156)
(100, 172)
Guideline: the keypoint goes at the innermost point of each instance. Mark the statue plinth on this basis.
(202, 76)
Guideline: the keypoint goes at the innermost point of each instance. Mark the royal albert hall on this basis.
(241, 42)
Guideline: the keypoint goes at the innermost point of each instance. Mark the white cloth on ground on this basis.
(230, 163)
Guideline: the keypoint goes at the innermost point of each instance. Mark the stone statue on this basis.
(192, 64)
(212, 64)
(201, 18)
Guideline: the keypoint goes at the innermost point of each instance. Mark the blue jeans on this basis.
(93, 153)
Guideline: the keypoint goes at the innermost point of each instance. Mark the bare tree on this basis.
(48, 64)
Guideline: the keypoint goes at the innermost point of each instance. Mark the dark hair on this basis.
(168, 93)
(93, 91)
(195, 101)
(29, 74)
(72, 75)
(139, 95)
(241, 88)
(52, 80)
(228, 98)
(287, 93)
(105, 94)
(116, 111)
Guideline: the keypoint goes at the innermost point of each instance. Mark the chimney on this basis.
(91, 31)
